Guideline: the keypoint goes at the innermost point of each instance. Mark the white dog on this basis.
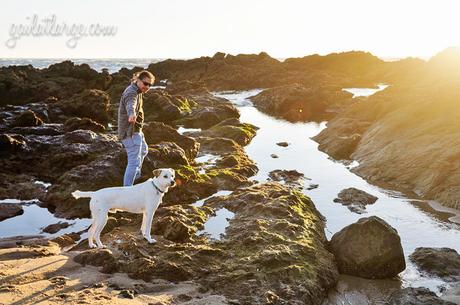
(140, 198)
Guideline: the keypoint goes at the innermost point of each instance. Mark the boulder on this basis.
(369, 248)
(440, 262)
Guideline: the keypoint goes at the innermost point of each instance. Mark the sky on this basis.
(194, 28)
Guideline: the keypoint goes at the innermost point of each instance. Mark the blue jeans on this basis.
(136, 149)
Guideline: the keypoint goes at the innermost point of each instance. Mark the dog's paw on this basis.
(92, 246)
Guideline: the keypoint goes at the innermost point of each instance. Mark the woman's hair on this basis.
(143, 74)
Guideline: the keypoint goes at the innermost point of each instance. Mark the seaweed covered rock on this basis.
(274, 247)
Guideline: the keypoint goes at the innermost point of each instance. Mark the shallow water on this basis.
(215, 226)
(357, 92)
(416, 227)
(34, 220)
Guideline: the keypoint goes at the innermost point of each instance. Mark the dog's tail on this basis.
(80, 194)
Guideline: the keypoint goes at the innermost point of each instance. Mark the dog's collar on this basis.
(158, 189)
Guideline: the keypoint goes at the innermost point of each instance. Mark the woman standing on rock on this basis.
(130, 121)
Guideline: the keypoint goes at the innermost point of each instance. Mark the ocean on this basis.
(112, 64)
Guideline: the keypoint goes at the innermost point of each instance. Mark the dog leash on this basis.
(157, 187)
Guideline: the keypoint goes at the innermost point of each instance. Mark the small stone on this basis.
(282, 144)
(128, 294)
(274, 156)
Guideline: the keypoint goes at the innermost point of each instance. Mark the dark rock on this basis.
(26, 119)
(127, 294)
(105, 171)
(441, 262)
(25, 84)
(54, 228)
(416, 296)
(242, 133)
(156, 132)
(295, 102)
(274, 156)
(42, 130)
(187, 87)
(80, 136)
(208, 111)
(9, 144)
(21, 186)
(356, 200)
(8, 210)
(160, 106)
(52, 156)
(290, 177)
(283, 144)
(82, 123)
(369, 248)
(167, 154)
(93, 104)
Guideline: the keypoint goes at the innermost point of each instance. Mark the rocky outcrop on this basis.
(159, 105)
(440, 262)
(295, 102)
(406, 137)
(156, 132)
(93, 104)
(241, 133)
(273, 248)
(356, 200)
(82, 123)
(104, 171)
(25, 84)
(26, 119)
(249, 71)
(208, 112)
(416, 296)
(369, 248)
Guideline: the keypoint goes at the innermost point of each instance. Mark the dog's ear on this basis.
(156, 173)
